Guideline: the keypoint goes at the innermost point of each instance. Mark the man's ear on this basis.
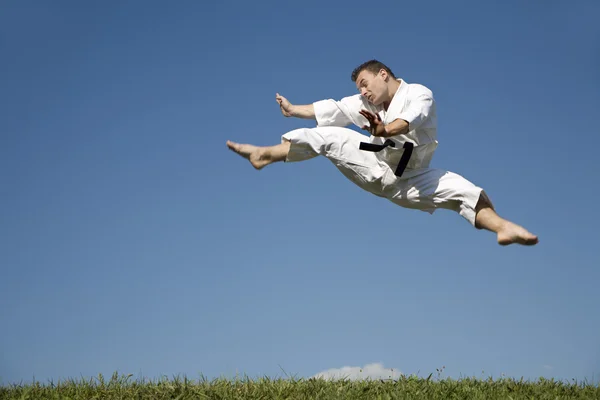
(384, 74)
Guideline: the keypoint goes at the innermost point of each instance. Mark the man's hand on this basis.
(376, 126)
(285, 105)
(290, 110)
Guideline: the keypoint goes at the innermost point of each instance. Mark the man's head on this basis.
(373, 80)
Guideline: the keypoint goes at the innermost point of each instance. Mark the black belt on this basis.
(408, 149)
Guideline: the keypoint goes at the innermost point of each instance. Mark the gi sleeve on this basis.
(418, 110)
(341, 113)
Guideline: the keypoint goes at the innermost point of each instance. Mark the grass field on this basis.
(123, 387)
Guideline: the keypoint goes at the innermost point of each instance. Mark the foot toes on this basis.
(525, 240)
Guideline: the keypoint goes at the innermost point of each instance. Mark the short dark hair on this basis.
(373, 66)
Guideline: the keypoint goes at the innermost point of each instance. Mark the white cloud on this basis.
(369, 371)
(548, 367)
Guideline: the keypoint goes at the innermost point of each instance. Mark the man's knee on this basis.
(483, 202)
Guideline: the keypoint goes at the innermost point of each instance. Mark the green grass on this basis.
(123, 387)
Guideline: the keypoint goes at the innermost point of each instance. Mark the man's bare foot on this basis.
(256, 155)
(511, 233)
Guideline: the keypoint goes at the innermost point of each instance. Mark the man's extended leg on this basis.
(339, 145)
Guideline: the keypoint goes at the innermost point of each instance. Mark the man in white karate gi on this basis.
(393, 162)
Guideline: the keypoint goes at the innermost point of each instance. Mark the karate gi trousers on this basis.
(425, 189)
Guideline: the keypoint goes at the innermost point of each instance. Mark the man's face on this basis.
(372, 86)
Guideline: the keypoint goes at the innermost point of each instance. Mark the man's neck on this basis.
(392, 89)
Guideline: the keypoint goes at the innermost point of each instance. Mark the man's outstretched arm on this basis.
(288, 109)
(328, 112)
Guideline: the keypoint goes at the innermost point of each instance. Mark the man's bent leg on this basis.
(434, 188)
(475, 206)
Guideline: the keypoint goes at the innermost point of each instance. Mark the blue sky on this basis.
(134, 241)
